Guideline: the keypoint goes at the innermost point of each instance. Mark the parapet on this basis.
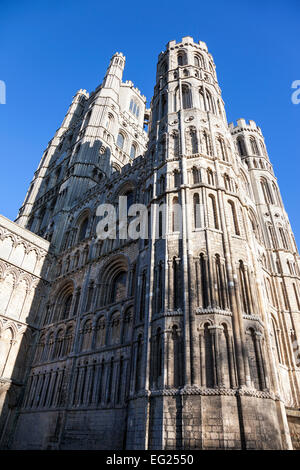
(130, 84)
(187, 40)
(242, 125)
(82, 92)
(119, 54)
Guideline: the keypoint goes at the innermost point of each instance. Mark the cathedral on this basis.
(187, 338)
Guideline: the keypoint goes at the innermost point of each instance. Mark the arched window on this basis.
(115, 168)
(86, 336)
(196, 206)
(89, 297)
(162, 148)
(156, 358)
(42, 220)
(120, 140)
(130, 198)
(134, 107)
(254, 147)
(176, 357)
(208, 358)
(160, 223)
(176, 215)
(160, 296)
(283, 238)
(163, 105)
(176, 283)
(213, 215)
(198, 61)
(138, 370)
(85, 255)
(244, 288)
(234, 217)
(276, 192)
(161, 184)
(272, 236)
(133, 151)
(209, 101)
(57, 350)
(83, 229)
(68, 341)
(196, 176)
(39, 350)
(76, 259)
(241, 146)
(201, 99)
(289, 265)
(66, 307)
(227, 182)
(143, 297)
(206, 143)
(181, 58)
(254, 356)
(127, 325)
(266, 191)
(210, 177)
(50, 347)
(278, 265)
(174, 144)
(100, 332)
(118, 287)
(203, 281)
(177, 179)
(220, 282)
(186, 97)
(191, 141)
(87, 118)
(221, 149)
(163, 68)
(263, 148)
(63, 303)
(115, 328)
(109, 121)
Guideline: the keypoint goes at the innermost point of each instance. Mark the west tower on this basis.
(185, 340)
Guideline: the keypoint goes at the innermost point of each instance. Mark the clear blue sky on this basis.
(50, 49)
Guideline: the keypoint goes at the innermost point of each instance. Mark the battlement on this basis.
(82, 92)
(119, 54)
(242, 124)
(130, 84)
(186, 41)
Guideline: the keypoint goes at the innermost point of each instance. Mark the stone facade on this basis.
(24, 260)
(187, 340)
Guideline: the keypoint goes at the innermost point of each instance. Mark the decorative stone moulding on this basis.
(202, 391)
(212, 310)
